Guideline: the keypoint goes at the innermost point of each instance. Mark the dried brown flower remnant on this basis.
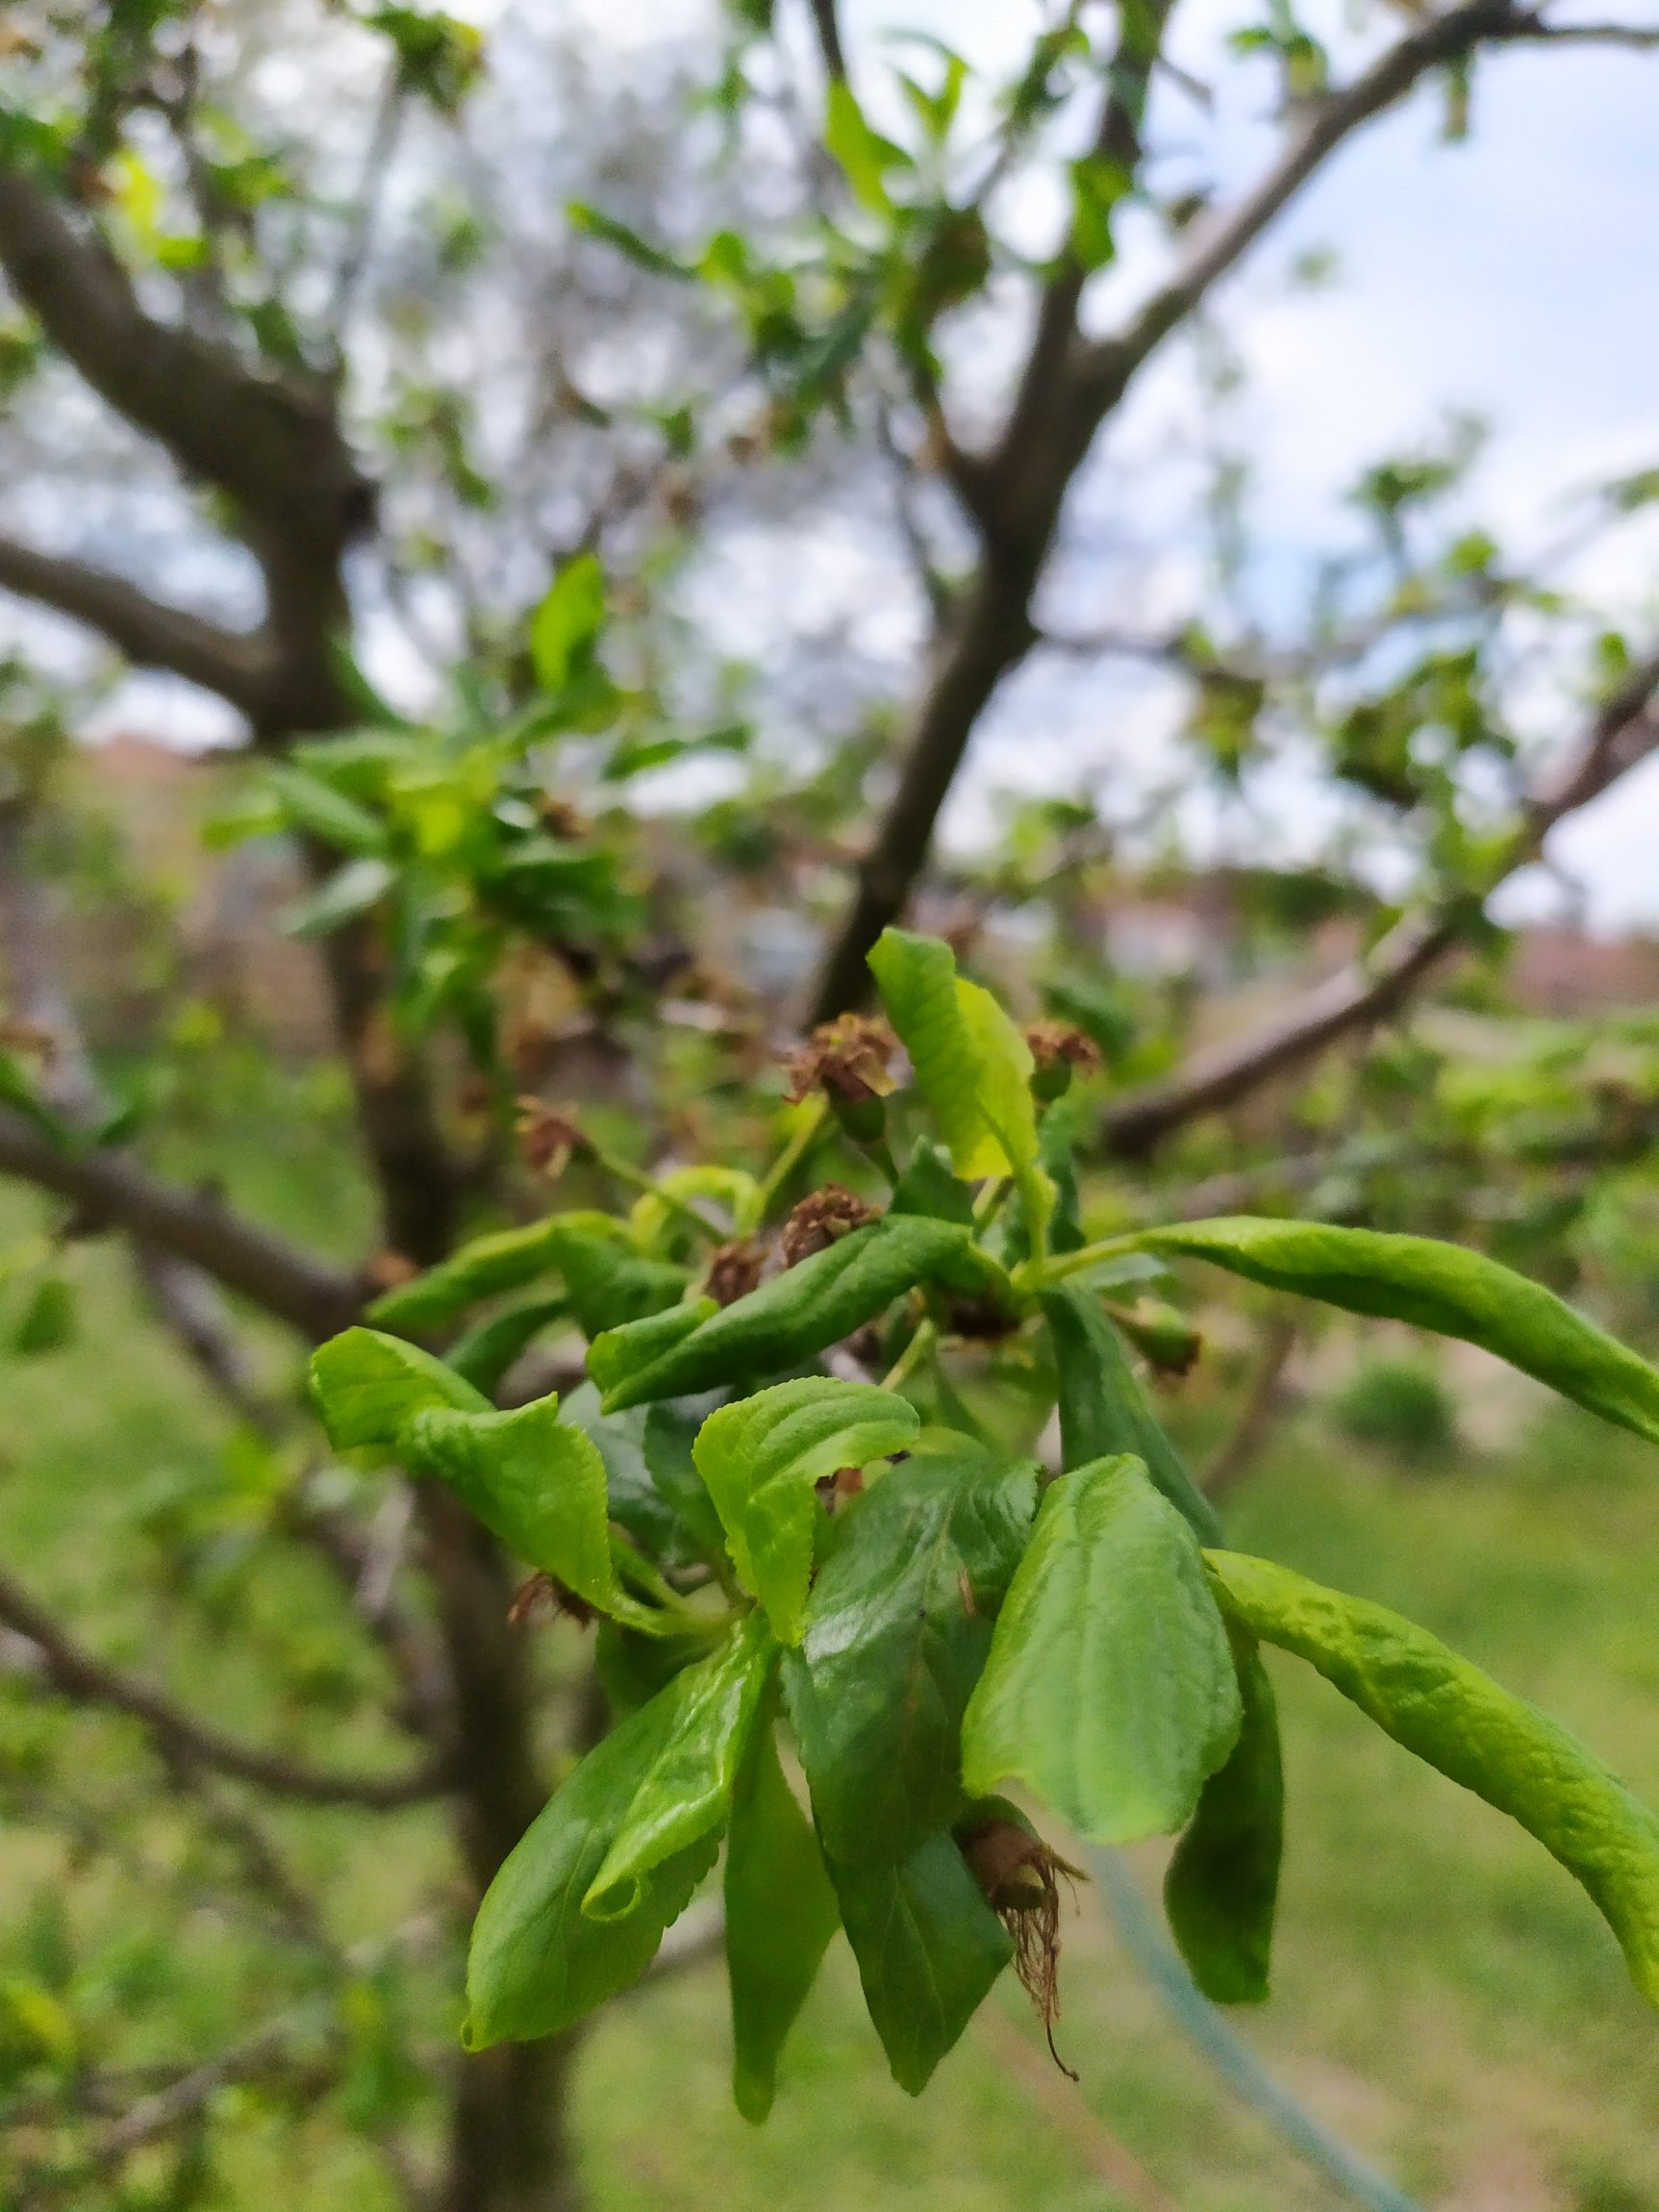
(733, 1270)
(847, 1057)
(542, 1592)
(821, 1220)
(549, 1139)
(388, 1270)
(838, 1489)
(560, 818)
(1059, 1050)
(28, 1037)
(1018, 1877)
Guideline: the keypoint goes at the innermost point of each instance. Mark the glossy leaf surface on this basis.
(1223, 1884)
(1110, 1689)
(1441, 1287)
(1103, 1410)
(686, 1789)
(928, 1948)
(537, 1963)
(1459, 1720)
(897, 1629)
(537, 1481)
(796, 1314)
(760, 1459)
(367, 1388)
(781, 1913)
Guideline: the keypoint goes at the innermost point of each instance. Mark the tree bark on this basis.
(275, 448)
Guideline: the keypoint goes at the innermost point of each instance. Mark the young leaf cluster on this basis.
(838, 1620)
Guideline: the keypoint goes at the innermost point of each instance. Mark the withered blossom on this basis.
(850, 1058)
(821, 1220)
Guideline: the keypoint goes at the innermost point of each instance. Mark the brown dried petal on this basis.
(849, 1056)
(1056, 1044)
(548, 1138)
(1018, 1877)
(821, 1219)
(543, 1593)
(386, 1270)
(733, 1270)
(30, 1037)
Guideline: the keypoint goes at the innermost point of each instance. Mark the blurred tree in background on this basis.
(606, 505)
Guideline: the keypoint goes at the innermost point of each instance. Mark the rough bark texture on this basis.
(275, 449)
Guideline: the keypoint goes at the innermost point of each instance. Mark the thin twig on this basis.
(76, 1675)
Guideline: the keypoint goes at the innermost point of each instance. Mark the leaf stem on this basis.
(636, 1178)
(1034, 1274)
(921, 1344)
(809, 1121)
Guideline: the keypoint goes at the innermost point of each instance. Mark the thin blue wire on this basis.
(1199, 2019)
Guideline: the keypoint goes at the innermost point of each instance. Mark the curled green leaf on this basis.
(1223, 1884)
(971, 1063)
(1458, 1720)
(1102, 1409)
(760, 1459)
(796, 1314)
(537, 1963)
(367, 1388)
(1434, 1286)
(781, 1913)
(536, 1481)
(686, 1789)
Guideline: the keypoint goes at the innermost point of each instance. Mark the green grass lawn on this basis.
(1444, 1996)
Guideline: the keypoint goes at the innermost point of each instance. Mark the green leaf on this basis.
(1457, 1718)
(17, 1091)
(647, 1510)
(487, 1350)
(352, 890)
(367, 1388)
(537, 1963)
(796, 1314)
(596, 224)
(626, 1361)
(309, 804)
(686, 1789)
(610, 1285)
(781, 1913)
(1110, 1688)
(564, 628)
(505, 1261)
(897, 1629)
(928, 1948)
(863, 156)
(927, 1186)
(1223, 1884)
(1097, 186)
(1102, 1410)
(1439, 1287)
(760, 1459)
(972, 1064)
(536, 1481)
(47, 1322)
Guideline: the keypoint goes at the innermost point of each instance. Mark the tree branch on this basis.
(151, 634)
(310, 1296)
(1623, 732)
(274, 444)
(182, 1739)
(827, 23)
(1068, 391)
